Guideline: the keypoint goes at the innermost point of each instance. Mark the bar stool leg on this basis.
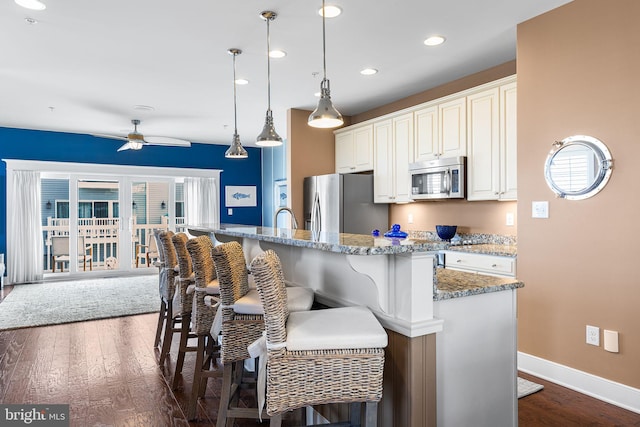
(371, 414)
(276, 421)
(184, 337)
(355, 414)
(161, 317)
(197, 378)
(168, 333)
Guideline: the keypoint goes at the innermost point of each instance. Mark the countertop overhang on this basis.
(344, 243)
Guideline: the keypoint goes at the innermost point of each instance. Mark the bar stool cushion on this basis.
(213, 288)
(298, 299)
(334, 329)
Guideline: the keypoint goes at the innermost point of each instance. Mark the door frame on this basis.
(125, 175)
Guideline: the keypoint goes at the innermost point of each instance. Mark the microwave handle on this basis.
(447, 181)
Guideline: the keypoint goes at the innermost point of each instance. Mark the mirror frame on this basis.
(603, 172)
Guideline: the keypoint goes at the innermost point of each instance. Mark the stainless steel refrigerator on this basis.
(343, 204)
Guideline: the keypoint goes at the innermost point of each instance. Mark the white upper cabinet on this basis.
(441, 130)
(453, 128)
(393, 146)
(383, 170)
(354, 149)
(402, 156)
(492, 157)
(426, 143)
(508, 142)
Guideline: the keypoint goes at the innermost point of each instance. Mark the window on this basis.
(62, 209)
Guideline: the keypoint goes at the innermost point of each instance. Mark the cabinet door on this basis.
(453, 128)
(483, 150)
(508, 143)
(425, 145)
(363, 148)
(403, 153)
(383, 182)
(345, 162)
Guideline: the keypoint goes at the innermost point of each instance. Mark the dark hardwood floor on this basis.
(107, 371)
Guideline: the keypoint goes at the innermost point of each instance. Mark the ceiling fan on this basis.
(136, 140)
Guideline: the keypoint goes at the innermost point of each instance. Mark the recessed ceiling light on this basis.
(143, 108)
(317, 94)
(368, 71)
(31, 4)
(331, 11)
(434, 41)
(277, 54)
(242, 81)
(30, 21)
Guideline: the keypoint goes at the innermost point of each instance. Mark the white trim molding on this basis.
(600, 388)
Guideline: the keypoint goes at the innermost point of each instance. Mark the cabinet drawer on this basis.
(490, 264)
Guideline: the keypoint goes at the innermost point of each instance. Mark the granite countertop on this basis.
(487, 249)
(352, 244)
(456, 284)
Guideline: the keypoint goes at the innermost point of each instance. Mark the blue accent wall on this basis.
(274, 167)
(24, 144)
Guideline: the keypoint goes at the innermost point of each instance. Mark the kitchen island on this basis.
(431, 366)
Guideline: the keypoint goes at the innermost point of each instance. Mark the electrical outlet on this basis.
(593, 335)
(229, 211)
(510, 219)
(410, 218)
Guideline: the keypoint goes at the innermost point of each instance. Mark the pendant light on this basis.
(325, 115)
(268, 137)
(236, 150)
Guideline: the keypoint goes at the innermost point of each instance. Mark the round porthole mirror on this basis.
(578, 167)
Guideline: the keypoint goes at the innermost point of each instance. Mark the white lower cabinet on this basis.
(393, 151)
(479, 263)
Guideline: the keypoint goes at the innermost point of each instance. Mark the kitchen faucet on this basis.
(293, 217)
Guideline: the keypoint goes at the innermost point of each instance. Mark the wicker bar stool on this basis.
(183, 301)
(168, 273)
(317, 357)
(242, 322)
(161, 277)
(202, 316)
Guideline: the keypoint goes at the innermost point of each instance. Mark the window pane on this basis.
(84, 210)
(116, 210)
(101, 209)
(62, 209)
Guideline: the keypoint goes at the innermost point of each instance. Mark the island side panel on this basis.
(409, 390)
(476, 360)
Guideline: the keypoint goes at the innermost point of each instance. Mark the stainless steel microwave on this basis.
(438, 179)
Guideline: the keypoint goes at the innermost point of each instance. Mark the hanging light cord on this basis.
(268, 66)
(235, 113)
(324, 47)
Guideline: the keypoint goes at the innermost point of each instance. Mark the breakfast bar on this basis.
(451, 334)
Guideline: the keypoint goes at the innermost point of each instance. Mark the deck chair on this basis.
(60, 252)
(150, 251)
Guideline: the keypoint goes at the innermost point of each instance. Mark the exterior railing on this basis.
(103, 236)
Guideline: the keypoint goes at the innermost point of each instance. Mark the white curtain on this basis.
(24, 228)
(201, 201)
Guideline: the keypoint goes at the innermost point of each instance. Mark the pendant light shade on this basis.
(236, 150)
(325, 115)
(268, 137)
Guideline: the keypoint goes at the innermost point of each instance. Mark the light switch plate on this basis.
(540, 209)
(229, 211)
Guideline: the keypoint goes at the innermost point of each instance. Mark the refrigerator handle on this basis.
(315, 214)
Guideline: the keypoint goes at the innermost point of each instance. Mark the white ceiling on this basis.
(85, 65)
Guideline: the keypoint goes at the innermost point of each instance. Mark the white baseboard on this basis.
(601, 388)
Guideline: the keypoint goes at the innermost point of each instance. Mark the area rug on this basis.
(53, 303)
(526, 387)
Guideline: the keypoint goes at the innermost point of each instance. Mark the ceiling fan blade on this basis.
(126, 146)
(101, 135)
(164, 140)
